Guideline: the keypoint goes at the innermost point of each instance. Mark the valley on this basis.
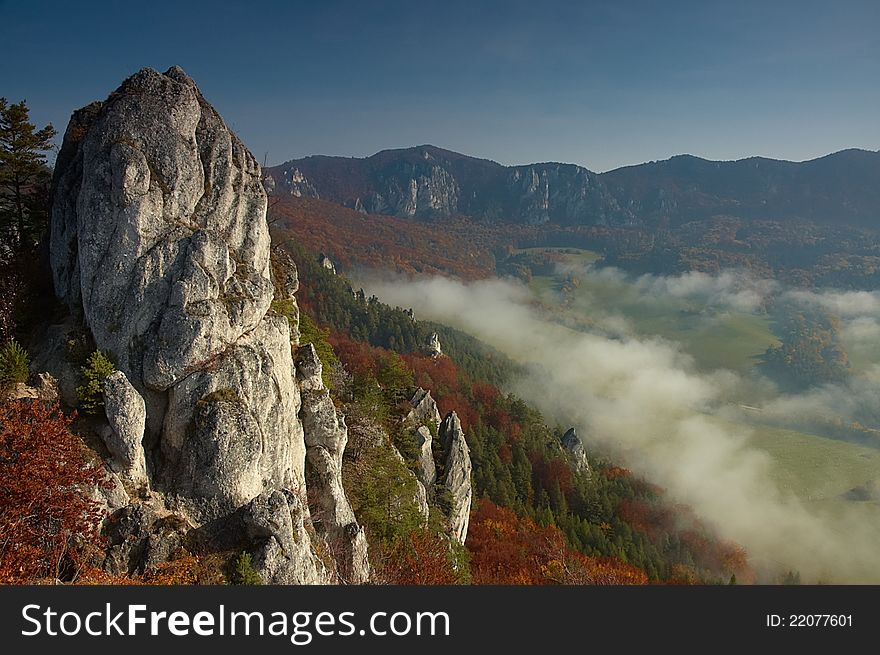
(815, 468)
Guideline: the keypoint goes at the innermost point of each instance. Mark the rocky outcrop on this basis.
(160, 248)
(429, 182)
(575, 448)
(327, 263)
(297, 185)
(275, 523)
(42, 387)
(424, 420)
(326, 437)
(127, 416)
(456, 476)
(432, 345)
(141, 536)
(424, 189)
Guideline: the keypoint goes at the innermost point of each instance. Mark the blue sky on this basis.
(601, 84)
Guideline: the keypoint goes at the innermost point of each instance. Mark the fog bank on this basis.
(644, 400)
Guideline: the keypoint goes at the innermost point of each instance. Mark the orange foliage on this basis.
(509, 550)
(484, 393)
(652, 519)
(420, 558)
(46, 518)
(359, 358)
(351, 239)
(659, 521)
(613, 472)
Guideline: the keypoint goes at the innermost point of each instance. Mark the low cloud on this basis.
(845, 304)
(644, 400)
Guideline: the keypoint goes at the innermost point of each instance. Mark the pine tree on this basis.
(23, 175)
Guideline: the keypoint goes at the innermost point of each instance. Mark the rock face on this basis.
(456, 475)
(572, 443)
(327, 263)
(127, 418)
(326, 436)
(160, 247)
(429, 182)
(276, 523)
(45, 388)
(432, 345)
(422, 419)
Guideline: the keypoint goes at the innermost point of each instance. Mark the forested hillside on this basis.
(530, 495)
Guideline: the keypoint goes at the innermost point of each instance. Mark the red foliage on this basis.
(46, 519)
(440, 374)
(659, 521)
(359, 358)
(447, 386)
(547, 472)
(419, 559)
(506, 549)
(652, 519)
(351, 239)
(613, 472)
(485, 394)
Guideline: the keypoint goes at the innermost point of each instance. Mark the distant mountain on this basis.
(430, 183)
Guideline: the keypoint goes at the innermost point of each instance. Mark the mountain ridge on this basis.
(428, 182)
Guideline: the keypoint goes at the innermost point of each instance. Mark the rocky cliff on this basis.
(456, 478)
(576, 452)
(160, 248)
(452, 480)
(429, 182)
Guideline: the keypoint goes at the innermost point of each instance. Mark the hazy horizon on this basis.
(553, 161)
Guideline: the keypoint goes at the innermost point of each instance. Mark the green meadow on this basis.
(816, 469)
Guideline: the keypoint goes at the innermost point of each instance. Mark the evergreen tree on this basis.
(23, 175)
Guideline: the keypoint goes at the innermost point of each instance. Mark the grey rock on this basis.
(127, 531)
(419, 499)
(141, 536)
(326, 436)
(457, 475)
(424, 409)
(327, 263)
(111, 495)
(333, 517)
(432, 345)
(275, 523)
(426, 470)
(286, 274)
(160, 246)
(127, 414)
(50, 355)
(158, 229)
(232, 431)
(421, 419)
(286, 281)
(423, 190)
(575, 448)
(309, 368)
(297, 185)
